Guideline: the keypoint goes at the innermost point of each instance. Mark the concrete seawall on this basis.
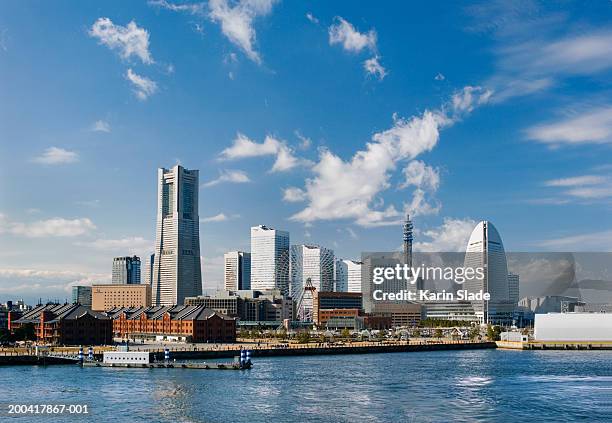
(32, 360)
(300, 350)
(283, 352)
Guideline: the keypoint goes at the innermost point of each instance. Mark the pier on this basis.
(69, 355)
(555, 345)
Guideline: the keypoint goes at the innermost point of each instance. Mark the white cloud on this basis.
(143, 86)
(452, 235)
(3, 39)
(350, 189)
(101, 126)
(591, 193)
(344, 33)
(439, 77)
(130, 40)
(591, 126)
(32, 284)
(575, 181)
(305, 142)
(373, 67)
(537, 48)
(352, 233)
(221, 217)
(237, 21)
(293, 195)
(465, 100)
(243, 147)
(55, 227)
(346, 190)
(598, 241)
(312, 18)
(420, 175)
(192, 8)
(56, 155)
(231, 176)
(128, 244)
(89, 203)
(584, 187)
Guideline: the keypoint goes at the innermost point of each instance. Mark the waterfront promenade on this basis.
(258, 348)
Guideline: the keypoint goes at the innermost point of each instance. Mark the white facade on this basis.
(574, 327)
(176, 271)
(311, 262)
(237, 270)
(348, 275)
(148, 269)
(269, 259)
(485, 250)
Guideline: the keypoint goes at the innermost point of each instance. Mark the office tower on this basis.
(176, 269)
(81, 295)
(513, 287)
(485, 250)
(348, 275)
(314, 262)
(126, 270)
(148, 270)
(269, 259)
(237, 270)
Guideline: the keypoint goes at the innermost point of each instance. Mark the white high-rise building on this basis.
(314, 262)
(485, 250)
(269, 259)
(311, 262)
(237, 270)
(148, 269)
(348, 275)
(176, 269)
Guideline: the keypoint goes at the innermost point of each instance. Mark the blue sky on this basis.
(327, 119)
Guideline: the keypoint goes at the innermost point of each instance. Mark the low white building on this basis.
(575, 327)
(126, 357)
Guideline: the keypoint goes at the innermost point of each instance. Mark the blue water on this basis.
(484, 385)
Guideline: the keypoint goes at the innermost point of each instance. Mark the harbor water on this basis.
(439, 386)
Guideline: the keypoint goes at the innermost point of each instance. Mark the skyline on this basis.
(328, 121)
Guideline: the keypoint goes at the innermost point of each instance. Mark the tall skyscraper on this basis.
(237, 270)
(176, 269)
(513, 287)
(269, 259)
(126, 270)
(485, 250)
(348, 275)
(314, 262)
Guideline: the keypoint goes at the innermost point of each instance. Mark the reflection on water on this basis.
(487, 385)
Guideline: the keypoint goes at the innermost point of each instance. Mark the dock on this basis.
(173, 365)
(186, 353)
(554, 345)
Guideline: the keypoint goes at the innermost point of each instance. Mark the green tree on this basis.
(474, 332)
(438, 333)
(346, 334)
(303, 337)
(493, 333)
(416, 333)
